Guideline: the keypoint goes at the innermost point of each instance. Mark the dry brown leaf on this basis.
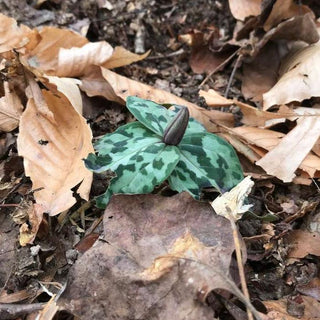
(299, 80)
(119, 88)
(69, 87)
(152, 265)
(10, 109)
(282, 10)
(251, 116)
(74, 62)
(277, 309)
(260, 75)
(242, 9)
(14, 37)
(45, 55)
(35, 216)
(53, 139)
(283, 160)
(302, 243)
(122, 57)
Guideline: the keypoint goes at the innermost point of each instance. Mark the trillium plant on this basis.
(163, 144)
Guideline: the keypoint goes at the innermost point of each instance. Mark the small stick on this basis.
(239, 260)
(232, 75)
(12, 311)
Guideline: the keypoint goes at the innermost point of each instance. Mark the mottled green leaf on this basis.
(206, 160)
(118, 147)
(152, 115)
(144, 170)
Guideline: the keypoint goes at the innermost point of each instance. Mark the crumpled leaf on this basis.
(153, 266)
(10, 109)
(299, 78)
(242, 9)
(53, 140)
(232, 202)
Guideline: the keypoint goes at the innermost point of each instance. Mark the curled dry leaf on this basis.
(299, 79)
(283, 160)
(282, 10)
(242, 9)
(120, 87)
(64, 53)
(14, 37)
(162, 257)
(10, 109)
(69, 87)
(53, 139)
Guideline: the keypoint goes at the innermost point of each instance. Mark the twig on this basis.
(239, 260)
(240, 56)
(13, 311)
(217, 69)
(172, 54)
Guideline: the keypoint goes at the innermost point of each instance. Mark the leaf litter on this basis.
(156, 244)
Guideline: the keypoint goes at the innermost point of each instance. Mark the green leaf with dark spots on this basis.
(141, 160)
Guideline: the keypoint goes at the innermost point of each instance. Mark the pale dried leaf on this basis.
(282, 10)
(122, 57)
(283, 160)
(251, 116)
(299, 80)
(74, 62)
(242, 9)
(302, 243)
(10, 109)
(53, 142)
(45, 55)
(16, 37)
(69, 87)
(232, 202)
(123, 87)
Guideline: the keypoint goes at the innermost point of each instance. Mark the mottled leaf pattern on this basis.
(144, 170)
(150, 114)
(118, 147)
(205, 160)
(140, 159)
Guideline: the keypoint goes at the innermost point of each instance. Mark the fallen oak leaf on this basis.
(53, 140)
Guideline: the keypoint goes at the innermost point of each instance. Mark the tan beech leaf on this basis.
(74, 62)
(16, 37)
(10, 109)
(122, 57)
(282, 10)
(242, 9)
(283, 160)
(251, 116)
(45, 55)
(69, 87)
(53, 140)
(123, 87)
(299, 80)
